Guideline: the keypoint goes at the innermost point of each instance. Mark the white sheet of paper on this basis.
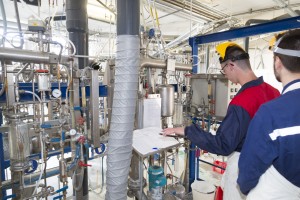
(144, 140)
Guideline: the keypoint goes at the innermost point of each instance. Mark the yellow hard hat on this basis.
(274, 39)
(221, 50)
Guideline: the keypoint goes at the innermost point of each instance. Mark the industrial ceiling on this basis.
(175, 20)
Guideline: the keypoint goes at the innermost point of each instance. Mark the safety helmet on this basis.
(276, 49)
(274, 39)
(223, 53)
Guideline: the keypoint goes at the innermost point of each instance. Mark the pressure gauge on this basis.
(56, 93)
(73, 132)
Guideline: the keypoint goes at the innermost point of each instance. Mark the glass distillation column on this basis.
(19, 148)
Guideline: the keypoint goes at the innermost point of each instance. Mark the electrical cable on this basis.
(70, 42)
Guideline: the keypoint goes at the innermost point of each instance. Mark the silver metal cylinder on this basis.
(178, 114)
(167, 100)
(43, 82)
(162, 64)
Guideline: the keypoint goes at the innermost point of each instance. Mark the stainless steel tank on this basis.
(167, 100)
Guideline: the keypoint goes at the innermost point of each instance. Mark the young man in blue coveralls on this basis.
(269, 165)
(231, 134)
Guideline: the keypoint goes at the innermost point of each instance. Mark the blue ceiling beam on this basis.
(269, 27)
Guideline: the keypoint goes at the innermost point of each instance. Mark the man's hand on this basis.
(172, 131)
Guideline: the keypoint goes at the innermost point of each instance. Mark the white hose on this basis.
(70, 42)
(54, 13)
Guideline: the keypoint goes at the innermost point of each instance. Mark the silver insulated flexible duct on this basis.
(124, 100)
(123, 112)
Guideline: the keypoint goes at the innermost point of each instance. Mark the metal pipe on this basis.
(2, 170)
(19, 55)
(207, 58)
(248, 23)
(199, 16)
(22, 70)
(31, 178)
(128, 20)
(19, 24)
(94, 105)
(4, 78)
(287, 8)
(77, 26)
(162, 64)
(264, 10)
(105, 6)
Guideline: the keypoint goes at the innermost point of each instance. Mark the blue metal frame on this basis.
(4, 164)
(269, 27)
(63, 88)
(192, 162)
(195, 56)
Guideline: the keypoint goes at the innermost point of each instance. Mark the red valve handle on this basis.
(82, 164)
(41, 71)
(81, 139)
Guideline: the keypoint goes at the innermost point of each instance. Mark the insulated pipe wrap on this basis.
(123, 112)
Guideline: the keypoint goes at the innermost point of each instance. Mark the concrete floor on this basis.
(97, 188)
(205, 173)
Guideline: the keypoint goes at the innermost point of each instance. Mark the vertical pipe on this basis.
(248, 23)
(124, 101)
(207, 58)
(128, 18)
(19, 24)
(2, 169)
(77, 26)
(94, 105)
(2, 8)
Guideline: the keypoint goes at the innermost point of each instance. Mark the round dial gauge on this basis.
(73, 132)
(56, 93)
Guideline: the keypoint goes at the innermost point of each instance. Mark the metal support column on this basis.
(194, 56)
(77, 26)
(2, 167)
(192, 162)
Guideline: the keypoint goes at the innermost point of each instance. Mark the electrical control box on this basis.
(36, 25)
(233, 89)
(221, 92)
